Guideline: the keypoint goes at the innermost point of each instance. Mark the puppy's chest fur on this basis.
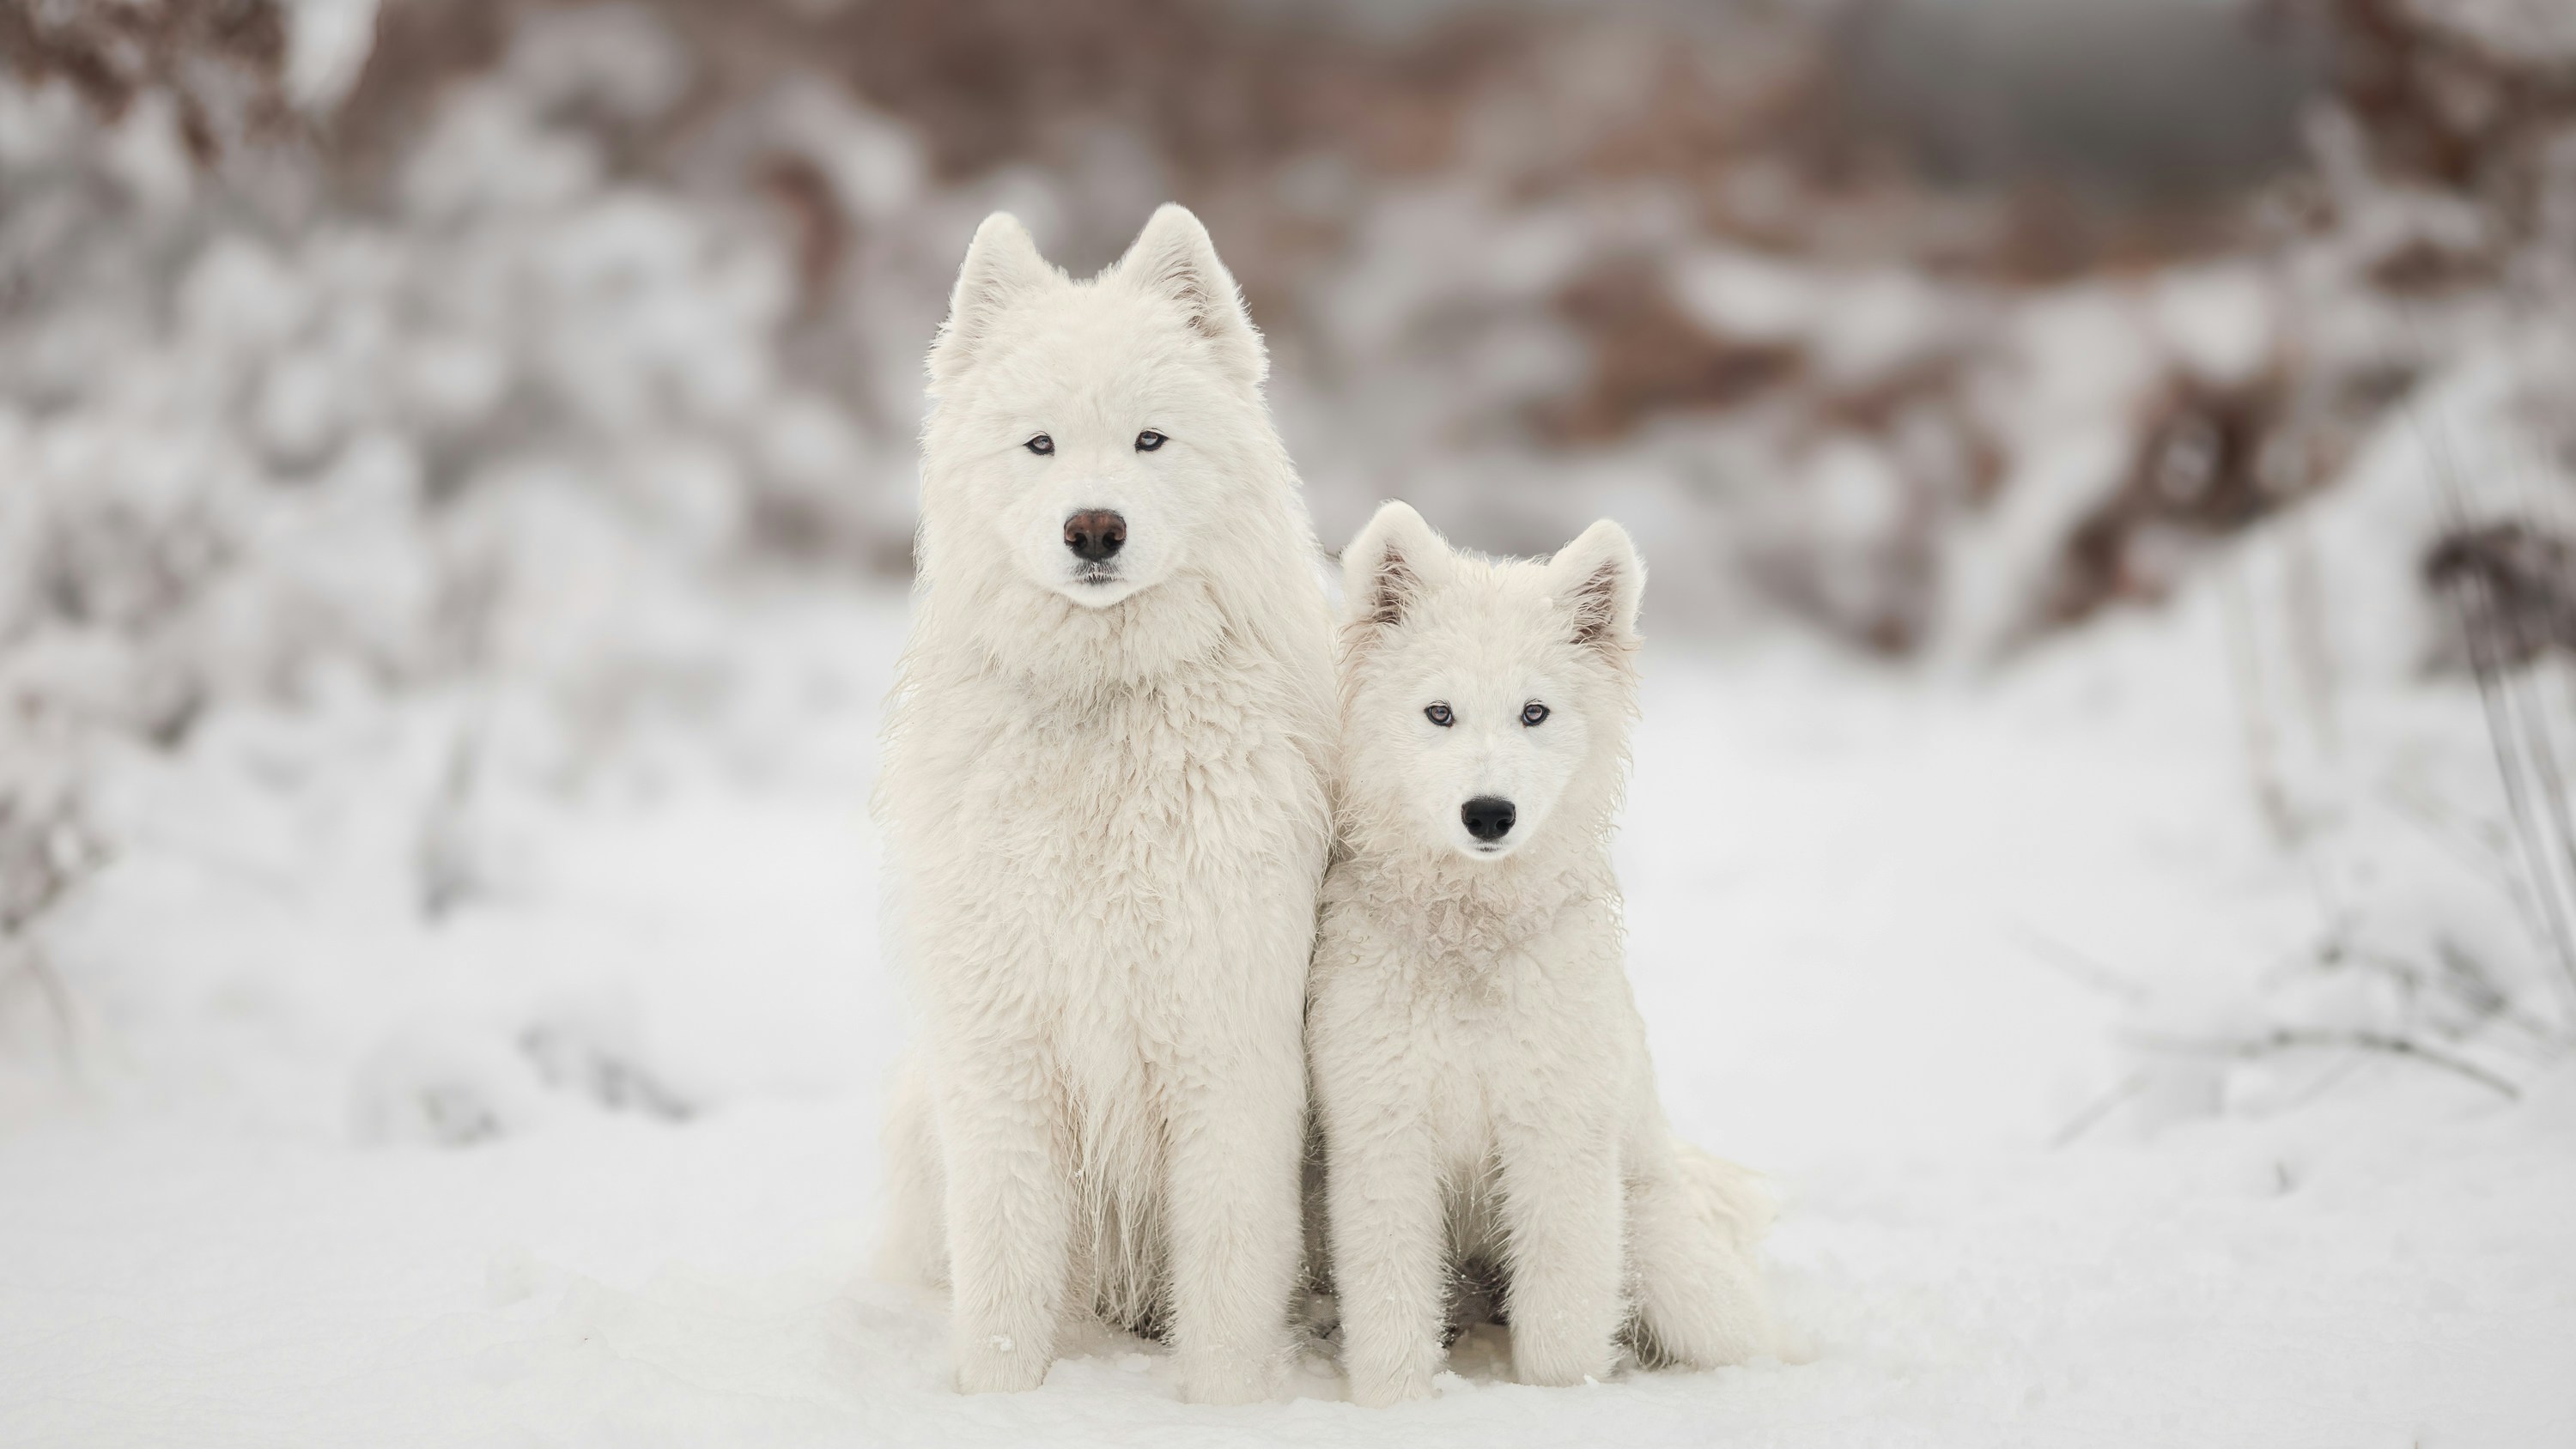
(1473, 953)
(1469, 1010)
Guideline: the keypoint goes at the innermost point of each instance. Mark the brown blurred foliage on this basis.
(220, 61)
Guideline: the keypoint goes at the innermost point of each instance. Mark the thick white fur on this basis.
(1105, 821)
(1480, 1070)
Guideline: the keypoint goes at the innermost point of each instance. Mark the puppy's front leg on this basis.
(1010, 1220)
(1238, 1137)
(1561, 1210)
(1390, 1250)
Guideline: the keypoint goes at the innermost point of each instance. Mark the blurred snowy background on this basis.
(2108, 468)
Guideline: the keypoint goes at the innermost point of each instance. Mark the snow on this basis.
(590, 1157)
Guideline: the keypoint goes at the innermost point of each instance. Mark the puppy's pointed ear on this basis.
(1002, 267)
(1387, 567)
(1597, 580)
(1173, 259)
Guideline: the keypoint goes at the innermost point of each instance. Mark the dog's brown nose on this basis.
(1095, 533)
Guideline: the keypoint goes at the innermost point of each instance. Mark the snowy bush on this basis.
(457, 399)
(509, 434)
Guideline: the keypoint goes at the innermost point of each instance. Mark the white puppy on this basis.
(1480, 1069)
(1105, 819)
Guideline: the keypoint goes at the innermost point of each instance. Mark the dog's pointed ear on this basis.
(1002, 266)
(1174, 259)
(1597, 580)
(1387, 567)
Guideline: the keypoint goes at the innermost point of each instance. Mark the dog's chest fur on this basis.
(1086, 836)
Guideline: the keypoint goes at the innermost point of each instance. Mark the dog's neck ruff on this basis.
(1057, 651)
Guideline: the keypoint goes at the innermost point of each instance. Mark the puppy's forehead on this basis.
(1485, 615)
(1497, 598)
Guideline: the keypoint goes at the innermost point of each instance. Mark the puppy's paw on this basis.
(1560, 1362)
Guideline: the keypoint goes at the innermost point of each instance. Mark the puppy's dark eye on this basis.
(1439, 714)
(1533, 713)
(1040, 445)
(1148, 440)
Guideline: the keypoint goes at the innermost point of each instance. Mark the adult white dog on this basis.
(1105, 820)
(1480, 1069)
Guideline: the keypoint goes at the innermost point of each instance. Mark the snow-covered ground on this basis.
(582, 1152)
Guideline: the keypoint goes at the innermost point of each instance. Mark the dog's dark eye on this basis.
(1040, 445)
(1533, 713)
(1148, 440)
(1439, 714)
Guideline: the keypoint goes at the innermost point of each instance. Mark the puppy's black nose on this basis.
(1487, 817)
(1095, 533)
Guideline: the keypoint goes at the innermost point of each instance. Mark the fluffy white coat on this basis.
(1479, 1066)
(1105, 820)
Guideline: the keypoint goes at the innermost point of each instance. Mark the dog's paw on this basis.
(1386, 1390)
(998, 1364)
(1215, 1377)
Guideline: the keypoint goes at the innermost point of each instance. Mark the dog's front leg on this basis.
(1238, 1137)
(1010, 1221)
(1561, 1210)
